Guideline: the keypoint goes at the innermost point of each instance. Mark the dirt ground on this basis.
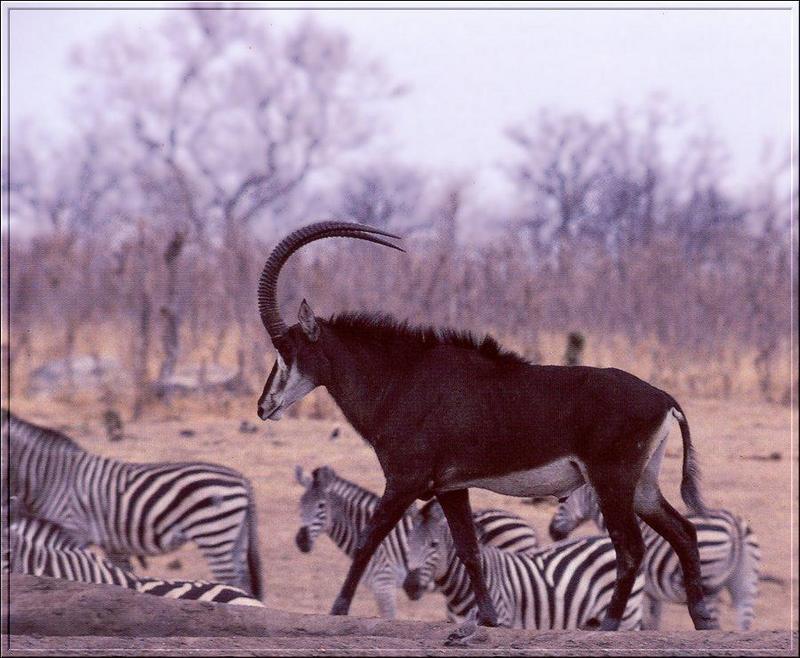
(746, 451)
(103, 620)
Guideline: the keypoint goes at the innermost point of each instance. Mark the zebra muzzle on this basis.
(557, 533)
(412, 585)
(303, 540)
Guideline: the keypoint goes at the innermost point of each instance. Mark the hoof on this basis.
(706, 624)
(703, 619)
(609, 624)
(487, 621)
(340, 607)
(454, 640)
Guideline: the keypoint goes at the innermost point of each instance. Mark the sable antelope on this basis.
(445, 411)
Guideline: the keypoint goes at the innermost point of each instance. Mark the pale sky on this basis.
(473, 73)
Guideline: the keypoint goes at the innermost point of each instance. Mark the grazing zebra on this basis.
(41, 548)
(567, 585)
(729, 558)
(341, 509)
(136, 509)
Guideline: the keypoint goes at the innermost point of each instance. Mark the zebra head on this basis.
(314, 517)
(577, 508)
(428, 545)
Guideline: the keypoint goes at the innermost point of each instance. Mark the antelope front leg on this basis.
(459, 517)
(389, 511)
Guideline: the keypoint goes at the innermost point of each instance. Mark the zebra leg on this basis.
(459, 517)
(384, 590)
(712, 605)
(743, 587)
(682, 536)
(616, 503)
(224, 561)
(389, 511)
(120, 561)
(653, 606)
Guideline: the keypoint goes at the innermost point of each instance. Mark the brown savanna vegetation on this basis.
(140, 236)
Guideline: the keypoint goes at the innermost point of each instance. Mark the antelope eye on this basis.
(434, 543)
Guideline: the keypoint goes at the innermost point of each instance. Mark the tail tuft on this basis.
(690, 482)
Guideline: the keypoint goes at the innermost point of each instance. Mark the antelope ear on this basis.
(308, 322)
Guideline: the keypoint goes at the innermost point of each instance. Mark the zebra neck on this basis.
(454, 573)
(350, 507)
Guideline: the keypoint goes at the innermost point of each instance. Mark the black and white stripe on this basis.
(41, 548)
(133, 509)
(341, 509)
(730, 558)
(563, 586)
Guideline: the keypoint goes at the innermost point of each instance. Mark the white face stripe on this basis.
(288, 386)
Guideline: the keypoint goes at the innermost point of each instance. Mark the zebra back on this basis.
(567, 585)
(505, 531)
(197, 590)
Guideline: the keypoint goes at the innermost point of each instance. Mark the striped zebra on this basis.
(729, 558)
(133, 509)
(567, 585)
(341, 509)
(41, 548)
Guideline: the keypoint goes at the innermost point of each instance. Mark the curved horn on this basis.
(268, 283)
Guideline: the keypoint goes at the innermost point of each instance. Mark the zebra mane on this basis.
(340, 487)
(390, 331)
(28, 433)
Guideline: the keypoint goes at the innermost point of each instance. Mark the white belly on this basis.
(558, 478)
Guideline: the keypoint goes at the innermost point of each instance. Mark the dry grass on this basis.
(728, 373)
(727, 434)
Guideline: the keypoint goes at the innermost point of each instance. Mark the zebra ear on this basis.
(302, 480)
(431, 512)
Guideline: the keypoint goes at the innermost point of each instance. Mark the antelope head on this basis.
(301, 364)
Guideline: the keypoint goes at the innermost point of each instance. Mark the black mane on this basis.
(388, 329)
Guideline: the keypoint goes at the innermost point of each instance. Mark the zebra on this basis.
(567, 585)
(341, 509)
(730, 556)
(41, 548)
(131, 509)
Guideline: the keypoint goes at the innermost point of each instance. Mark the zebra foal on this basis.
(341, 509)
(563, 586)
(730, 558)
(131, 509)
(41, 548)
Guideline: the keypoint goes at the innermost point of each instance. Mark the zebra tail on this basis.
(690, 481)
(253, 556)
(744, 589)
